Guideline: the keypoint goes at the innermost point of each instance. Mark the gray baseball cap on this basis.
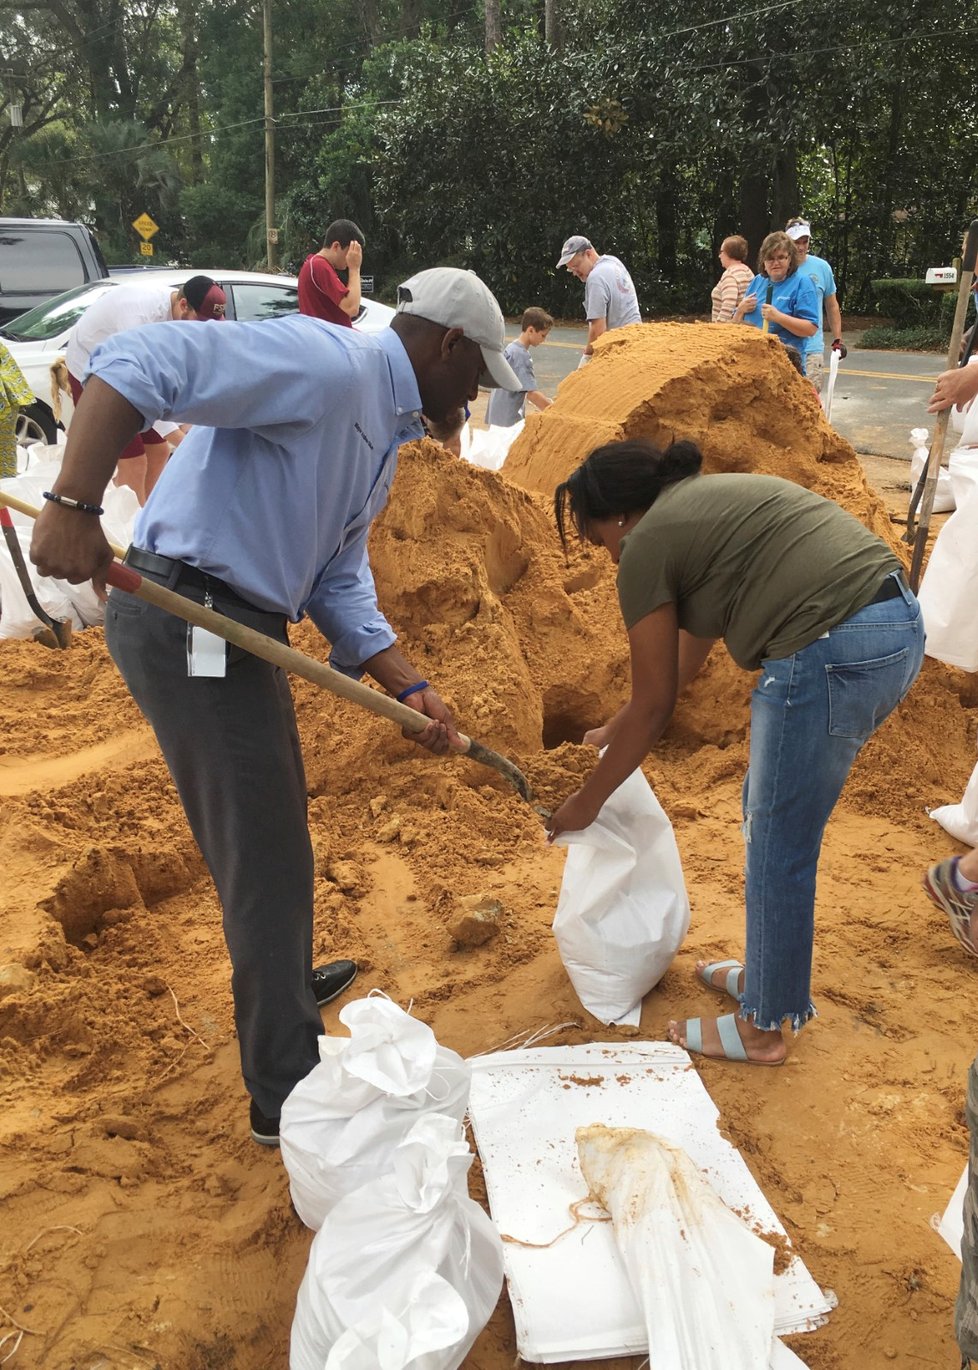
(458, 299)
(572, 247)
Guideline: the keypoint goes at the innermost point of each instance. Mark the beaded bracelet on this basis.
(411, 690)
(78, 504)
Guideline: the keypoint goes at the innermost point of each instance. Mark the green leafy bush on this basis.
(911, 303)
(921, 338)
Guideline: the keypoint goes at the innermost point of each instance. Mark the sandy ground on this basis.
(141, 1226)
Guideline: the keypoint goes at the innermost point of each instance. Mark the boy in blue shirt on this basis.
(507, 407)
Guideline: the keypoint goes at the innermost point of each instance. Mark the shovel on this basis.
(55, 632)
(933, 465)
(766, 325)
(125, 578)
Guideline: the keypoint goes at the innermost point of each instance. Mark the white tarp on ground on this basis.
(572, 1300)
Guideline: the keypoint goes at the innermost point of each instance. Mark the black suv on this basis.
(39, 258)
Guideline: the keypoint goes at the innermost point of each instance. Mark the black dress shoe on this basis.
(329, 981)
(264, 1130)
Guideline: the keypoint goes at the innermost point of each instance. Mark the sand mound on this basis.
(730, 390)
(141, 1226)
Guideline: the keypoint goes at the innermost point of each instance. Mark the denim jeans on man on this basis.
(810, 715)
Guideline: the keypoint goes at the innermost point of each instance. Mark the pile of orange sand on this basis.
(141, 1225)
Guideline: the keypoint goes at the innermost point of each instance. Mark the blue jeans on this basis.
(810, 715)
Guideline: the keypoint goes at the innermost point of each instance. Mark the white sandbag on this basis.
(961, 820)
(17, 618)
(943, 495)
(341, 1123)
(378, 1241)
(77, 602)
(489, 447)
(962, 469)
(949, 590)
(623, 910)
(433, 1318)
(703, 1280)
(951, 1223)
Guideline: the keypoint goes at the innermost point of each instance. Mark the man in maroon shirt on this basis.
(321, 292)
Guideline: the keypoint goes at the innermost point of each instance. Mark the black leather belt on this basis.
(173, 574)
(892, 588)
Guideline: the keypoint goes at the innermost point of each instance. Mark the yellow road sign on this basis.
(145, 226)
(146, 249)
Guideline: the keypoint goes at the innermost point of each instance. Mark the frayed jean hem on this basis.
(796, 1020)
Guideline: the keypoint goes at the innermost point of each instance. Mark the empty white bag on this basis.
(623, 910)
(489, 447)
(342, 1122)
(704, 1281)
(378, 1242)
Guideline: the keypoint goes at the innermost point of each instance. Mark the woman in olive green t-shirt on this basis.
(798, 589)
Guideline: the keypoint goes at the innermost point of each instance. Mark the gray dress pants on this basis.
(232, 748)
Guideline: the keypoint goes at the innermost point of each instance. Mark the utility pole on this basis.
(271, 232)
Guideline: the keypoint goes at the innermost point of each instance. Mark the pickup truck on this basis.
(40, 258)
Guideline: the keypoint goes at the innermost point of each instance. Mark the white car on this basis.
(38, 338)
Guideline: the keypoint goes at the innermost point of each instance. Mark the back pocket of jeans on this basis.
(862, 693)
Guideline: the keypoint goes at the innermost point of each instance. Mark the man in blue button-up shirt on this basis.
(264, 511)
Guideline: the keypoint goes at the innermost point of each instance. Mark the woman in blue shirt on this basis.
(780, 300)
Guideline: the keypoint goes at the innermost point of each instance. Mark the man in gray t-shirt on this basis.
(609, 295)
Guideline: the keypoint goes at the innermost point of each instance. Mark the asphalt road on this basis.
(879, 396)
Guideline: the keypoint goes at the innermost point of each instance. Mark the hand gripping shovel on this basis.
(125, 578)
(769, 295)
(54, 632)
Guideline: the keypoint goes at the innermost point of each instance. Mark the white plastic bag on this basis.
(703, 1280)
(489, 447)
(378, 1242)
(341, 1123)
(623, 910)
(434, 1317)
(951, 1223)
(949, 590)
(59, 598)
(17, 618)
(943, 495)
(962, 469)
(961, 820)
